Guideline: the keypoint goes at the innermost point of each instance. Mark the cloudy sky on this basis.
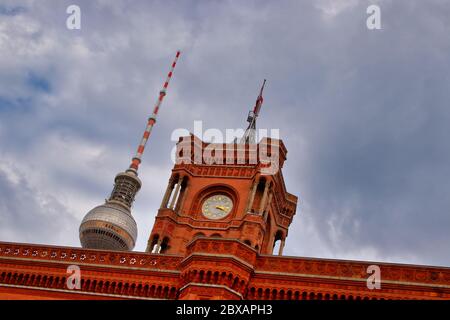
(364, 113)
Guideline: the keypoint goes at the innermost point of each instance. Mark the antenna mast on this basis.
(249, 135)
(111, 226)
(135, 162)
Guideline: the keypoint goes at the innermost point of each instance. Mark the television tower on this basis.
(111, 226)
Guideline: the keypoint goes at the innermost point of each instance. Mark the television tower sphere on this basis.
(111, 226)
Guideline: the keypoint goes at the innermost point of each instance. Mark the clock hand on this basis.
(221, 208)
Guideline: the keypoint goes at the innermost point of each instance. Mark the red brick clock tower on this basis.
(234, 199)
(222, 209)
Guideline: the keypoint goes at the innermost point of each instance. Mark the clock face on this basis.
(217, 206)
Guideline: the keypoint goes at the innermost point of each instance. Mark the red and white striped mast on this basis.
(134, 166)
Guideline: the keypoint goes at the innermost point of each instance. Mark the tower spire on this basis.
(249, 135)
(134, 166)
(111, 226)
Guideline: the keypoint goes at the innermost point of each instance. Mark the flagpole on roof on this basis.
(249, 135)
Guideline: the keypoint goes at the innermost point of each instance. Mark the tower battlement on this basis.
(269, 151)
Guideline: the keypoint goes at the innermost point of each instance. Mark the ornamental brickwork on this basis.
(211, 269)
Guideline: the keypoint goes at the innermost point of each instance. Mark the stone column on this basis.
(252, 195)
(175, 194)
(169, 189)
(264, 197)
(181, 202)
(149, 244)
(280, 251)
(266, 210)
(158, 246)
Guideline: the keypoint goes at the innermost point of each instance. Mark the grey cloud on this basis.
(29, 215)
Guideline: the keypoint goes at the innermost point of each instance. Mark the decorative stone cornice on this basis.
(93, 257)
(401, 273)
(215, 263)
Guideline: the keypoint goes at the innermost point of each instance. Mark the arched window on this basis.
(216, 235)
(277, 242)
(164, 245)
(154, 244)
(198, 235)
(255, 206)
